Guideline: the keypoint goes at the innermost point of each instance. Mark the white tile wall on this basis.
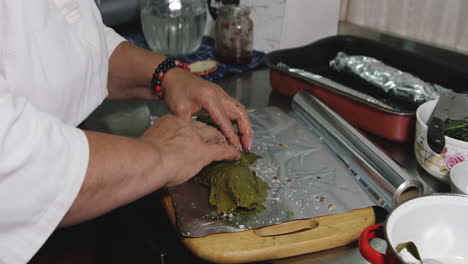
(280, 24)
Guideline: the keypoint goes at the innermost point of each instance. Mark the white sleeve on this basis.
(42, 166)
(113, 39)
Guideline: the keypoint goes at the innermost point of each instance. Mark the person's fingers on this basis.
(212, 135)
(220, 152)
(224, 123)
(245, 129)
(239, 114)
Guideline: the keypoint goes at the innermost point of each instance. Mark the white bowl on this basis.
(459, 178)
(436, 224)
(438, 165)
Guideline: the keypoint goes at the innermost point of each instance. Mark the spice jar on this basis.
(234, 35)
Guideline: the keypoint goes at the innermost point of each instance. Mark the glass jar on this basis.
(234, 35)
(173, 27)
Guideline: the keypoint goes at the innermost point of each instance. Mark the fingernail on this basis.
(250, 146)
(240, 147)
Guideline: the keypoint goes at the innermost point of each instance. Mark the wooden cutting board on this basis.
(278, 241)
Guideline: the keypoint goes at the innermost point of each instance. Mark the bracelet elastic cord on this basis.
(161, 70)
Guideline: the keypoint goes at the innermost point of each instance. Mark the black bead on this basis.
(157, 82)
(162, 68)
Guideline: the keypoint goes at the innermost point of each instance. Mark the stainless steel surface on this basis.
(378, 174)
(395, 83)
(254, 91)
(441, 111)
(306, 178)
(457, 107)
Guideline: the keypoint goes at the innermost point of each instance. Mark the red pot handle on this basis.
(367, 251)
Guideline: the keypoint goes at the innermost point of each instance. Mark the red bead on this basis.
(160, 95)
(160, 75)
(177, 63)
(185, 66)
(157, 88)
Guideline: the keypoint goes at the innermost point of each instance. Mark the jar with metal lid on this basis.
(234, 35)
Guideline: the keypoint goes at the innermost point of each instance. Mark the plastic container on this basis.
(394, 125)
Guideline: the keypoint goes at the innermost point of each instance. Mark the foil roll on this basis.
(397, 84)
(373, 169)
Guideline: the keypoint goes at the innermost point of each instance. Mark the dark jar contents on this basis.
(234, 35)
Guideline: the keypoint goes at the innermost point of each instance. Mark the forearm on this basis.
(130, 71)
(120, 170)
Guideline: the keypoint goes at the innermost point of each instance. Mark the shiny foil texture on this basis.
(397, 84)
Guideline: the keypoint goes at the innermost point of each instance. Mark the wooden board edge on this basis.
(196, 245)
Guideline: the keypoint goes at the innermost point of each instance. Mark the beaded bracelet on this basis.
(162, 68)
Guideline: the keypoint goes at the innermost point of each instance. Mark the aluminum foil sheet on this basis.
(397, 84)
(306, 178)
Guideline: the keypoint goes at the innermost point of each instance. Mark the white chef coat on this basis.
(53, 73)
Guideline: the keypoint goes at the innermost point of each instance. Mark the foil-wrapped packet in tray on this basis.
(396, 83)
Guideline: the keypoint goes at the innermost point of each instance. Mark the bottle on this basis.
(173, 27)
(234, 35)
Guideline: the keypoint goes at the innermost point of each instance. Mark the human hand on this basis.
(185, 147)
(186, 94)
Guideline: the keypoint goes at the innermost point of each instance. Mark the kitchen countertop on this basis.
(141, 233)
(253, 89)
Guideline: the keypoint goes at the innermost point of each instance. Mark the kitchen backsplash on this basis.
(280, 24)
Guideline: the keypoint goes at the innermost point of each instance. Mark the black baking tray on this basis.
(396, 121)
(316, 57)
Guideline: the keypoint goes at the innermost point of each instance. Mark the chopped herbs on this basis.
(457, 131)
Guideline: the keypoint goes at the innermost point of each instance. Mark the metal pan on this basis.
(355, 100)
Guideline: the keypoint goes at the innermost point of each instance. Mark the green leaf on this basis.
(412, 249)
(443, 169)
(234, 187)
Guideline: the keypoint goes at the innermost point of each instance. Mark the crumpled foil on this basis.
(307, 180)
(397, 84)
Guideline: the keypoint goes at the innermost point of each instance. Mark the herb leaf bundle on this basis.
(234, 187)
(458, 131)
